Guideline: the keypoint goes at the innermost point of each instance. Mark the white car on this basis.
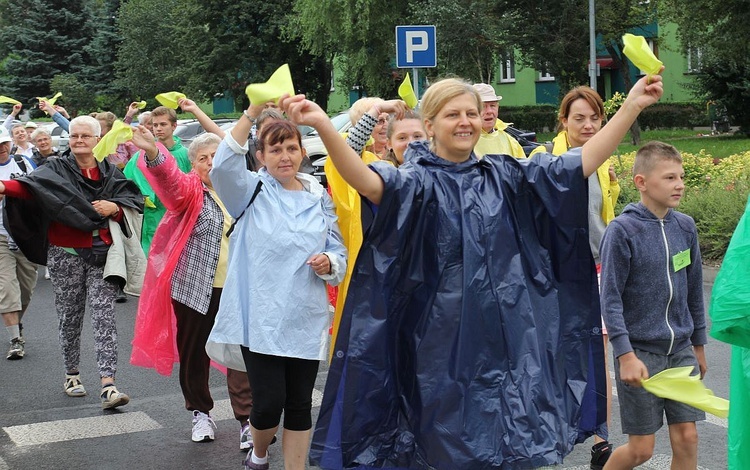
(313, 143)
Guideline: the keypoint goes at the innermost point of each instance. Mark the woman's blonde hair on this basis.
(440, 93)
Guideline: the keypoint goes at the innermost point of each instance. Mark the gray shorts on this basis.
(641, 412)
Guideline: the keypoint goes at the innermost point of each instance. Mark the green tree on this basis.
(245, 42)
(78, 97)
(715, 35)
(551, 35)
(471, 36)
(101, 52)
(37, 45)
(360, 33)
(615, 18)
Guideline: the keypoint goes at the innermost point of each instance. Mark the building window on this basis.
(544, 75)
(694, 59)
(507, 68)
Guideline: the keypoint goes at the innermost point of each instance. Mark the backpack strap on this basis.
(21, 162)
(255, 194)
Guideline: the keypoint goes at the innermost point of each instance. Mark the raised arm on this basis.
(208, 124)
(56, 115)
(598, 149)
(348, 163)
(8, 123)
(359, 134)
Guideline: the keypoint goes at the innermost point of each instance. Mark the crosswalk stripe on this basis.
(80, 428)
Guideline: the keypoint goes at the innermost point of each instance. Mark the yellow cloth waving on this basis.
(52, 100)
(170, 98)
(279, 84)
(636, 49)
(7, 99)
(677, 384)
(406, 92)
(141, 104)
(119, 134)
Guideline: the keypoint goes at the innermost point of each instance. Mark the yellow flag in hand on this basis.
(406, 92)
(677, 384)
(141, 104)
(120, 133)
(170, 99)
(636, 49)
(279, 84)
(6, 99)
(52, 100)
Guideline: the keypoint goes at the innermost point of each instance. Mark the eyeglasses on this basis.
(81, 136)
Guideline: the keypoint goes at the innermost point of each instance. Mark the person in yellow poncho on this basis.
(494, 139)
(580, 117)
(346, 199)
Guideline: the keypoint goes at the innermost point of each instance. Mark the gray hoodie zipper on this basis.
(671, 288)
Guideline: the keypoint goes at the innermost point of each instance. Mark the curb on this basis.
(709, 274)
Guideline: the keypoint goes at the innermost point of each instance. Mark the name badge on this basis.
(681, 259)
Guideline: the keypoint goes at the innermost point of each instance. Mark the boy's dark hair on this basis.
(652, 153)
(275, 132)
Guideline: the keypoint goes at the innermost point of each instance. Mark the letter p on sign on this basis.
(416, 41)
(415, 46)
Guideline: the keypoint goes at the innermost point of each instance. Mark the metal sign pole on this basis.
(415, 81)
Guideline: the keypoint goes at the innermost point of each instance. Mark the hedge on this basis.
(543, 118)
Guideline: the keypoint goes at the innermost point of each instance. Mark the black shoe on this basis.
(600, 454)
(121, 297)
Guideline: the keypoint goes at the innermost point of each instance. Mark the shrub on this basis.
(674, 115)
(715, 195)
(542, 118)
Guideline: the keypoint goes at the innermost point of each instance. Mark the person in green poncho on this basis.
(730, 317)
(164, 121)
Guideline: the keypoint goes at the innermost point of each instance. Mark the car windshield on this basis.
(339, 121)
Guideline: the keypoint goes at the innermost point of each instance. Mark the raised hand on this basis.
(144, 139)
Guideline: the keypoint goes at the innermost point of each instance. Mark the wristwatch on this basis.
(249, 118)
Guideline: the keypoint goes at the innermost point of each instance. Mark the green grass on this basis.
(686, 140)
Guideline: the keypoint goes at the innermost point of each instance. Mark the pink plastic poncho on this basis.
(154, 343)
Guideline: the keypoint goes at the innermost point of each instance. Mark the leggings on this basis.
(280, 384)
(77, 283)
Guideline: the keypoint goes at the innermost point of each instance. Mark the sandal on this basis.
(73, 386)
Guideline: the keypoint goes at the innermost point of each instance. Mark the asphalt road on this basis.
(42, 428)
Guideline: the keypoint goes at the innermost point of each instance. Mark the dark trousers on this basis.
(281, 384)
(193, 329)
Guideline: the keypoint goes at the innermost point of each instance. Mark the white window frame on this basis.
(694, 59)
(545, 76)
(507, 68)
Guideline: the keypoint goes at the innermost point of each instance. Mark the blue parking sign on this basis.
(415, 46)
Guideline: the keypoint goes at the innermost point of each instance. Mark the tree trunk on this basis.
(624, 67)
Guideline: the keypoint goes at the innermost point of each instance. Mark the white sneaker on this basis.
(46, 274)
(246, 438)
(203, 427)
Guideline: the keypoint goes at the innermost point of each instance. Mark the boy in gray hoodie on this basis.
(652, 304)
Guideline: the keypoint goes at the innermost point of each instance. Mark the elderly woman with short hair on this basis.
(74, 198)
(42, 140)
(184, 280)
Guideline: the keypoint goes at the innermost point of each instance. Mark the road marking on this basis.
(223, 408)
(80, 428)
